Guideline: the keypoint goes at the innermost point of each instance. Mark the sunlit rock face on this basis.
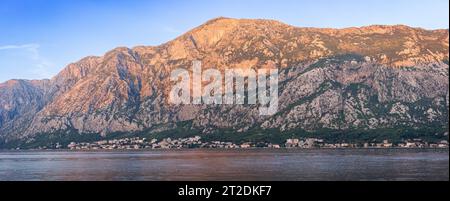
(369, 77)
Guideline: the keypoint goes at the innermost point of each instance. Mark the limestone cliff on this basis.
(340, 79)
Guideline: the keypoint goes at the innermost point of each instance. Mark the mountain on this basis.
(333, 82)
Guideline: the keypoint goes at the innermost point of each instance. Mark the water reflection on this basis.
(229, 165)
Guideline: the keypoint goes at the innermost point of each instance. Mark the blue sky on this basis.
(40, 37)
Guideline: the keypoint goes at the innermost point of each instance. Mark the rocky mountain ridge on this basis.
(339, 79)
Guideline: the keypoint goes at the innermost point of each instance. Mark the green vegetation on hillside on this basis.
(432, 133)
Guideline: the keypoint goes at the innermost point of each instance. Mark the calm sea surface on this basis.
(211, 165)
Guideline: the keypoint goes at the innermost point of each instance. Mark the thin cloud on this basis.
(41, 64)
(31, 46)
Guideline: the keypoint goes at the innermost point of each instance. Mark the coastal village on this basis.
(196, 142)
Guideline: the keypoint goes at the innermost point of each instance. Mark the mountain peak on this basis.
(329, 76)
(220, 20)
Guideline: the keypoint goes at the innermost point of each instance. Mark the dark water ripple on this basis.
(228, 165)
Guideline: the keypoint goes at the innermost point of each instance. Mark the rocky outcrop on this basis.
(369, 77)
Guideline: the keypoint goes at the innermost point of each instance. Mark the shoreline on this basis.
(215, 149)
